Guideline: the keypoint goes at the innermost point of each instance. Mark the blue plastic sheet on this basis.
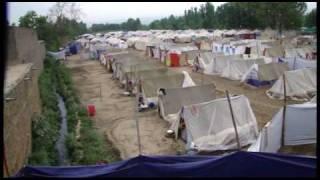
(238, 164)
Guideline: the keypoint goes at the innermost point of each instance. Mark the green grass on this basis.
(90, 148)
(45, 128)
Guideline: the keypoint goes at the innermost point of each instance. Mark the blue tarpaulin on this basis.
(74, 47)
(258, 83)
(238, 164)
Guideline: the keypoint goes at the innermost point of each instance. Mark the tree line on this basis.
(232, 15)
(58, 27)
(237, 15)
(130, 25)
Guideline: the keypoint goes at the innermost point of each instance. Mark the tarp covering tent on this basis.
(264, 74)
(183, 38)
(220, 62)
(149, 74)
(129, 70)
(298, 63)
(150, 87)
(126, 68)
(300, 128)
(238, 164)
(303, 53)
(106, 58)
(171, 100)
(123, 59)
(235, 69)
(141, 43)
(202, 61)
(301, 84)
(210, 127)
(274, 52)
(74, 47)
(58, 55)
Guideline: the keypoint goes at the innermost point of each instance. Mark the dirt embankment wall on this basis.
(23, 47)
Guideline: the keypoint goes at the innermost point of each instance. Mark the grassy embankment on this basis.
(89, 147)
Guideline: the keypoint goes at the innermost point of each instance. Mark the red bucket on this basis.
(91, 110)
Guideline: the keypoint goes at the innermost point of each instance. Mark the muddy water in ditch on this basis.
(61, 145)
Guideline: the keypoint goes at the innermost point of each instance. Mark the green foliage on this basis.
(236, 15)
(45, 128)
(55, 34)
(91, 147)
(130, 25)
(311, 19)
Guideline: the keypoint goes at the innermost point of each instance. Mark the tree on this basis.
(29, 20)
(311, 18)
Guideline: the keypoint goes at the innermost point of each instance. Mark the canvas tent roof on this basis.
(297, 116)
(299, 84)
(174, 99)
(219, 63)
(265, 72)
(271, 71)
(211, 128)
(151, 86)
(154, 73)
(235, 69)
(299, 63)
(275, 51)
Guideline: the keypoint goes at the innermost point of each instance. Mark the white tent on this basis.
(151, 86)
(171, 100)
(210, 127)
(300, 128)
(300, 85)
(264, 74)
(235, 69)
(60, 55)
(298, 63)
(214, 63)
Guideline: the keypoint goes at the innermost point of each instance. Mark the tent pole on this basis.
(233, 121)
(100, 92)
(137, 122)
(284, 109)
(5, 163)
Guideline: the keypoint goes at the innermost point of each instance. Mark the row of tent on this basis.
(208, 122)
(300, 74)
(208, 125)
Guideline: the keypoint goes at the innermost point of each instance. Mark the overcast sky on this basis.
(114, 12)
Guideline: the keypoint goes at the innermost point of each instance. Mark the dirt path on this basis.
(114, 112)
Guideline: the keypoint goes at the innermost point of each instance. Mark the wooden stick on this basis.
(137, 122)
(100, 92)
(233, 121)
(5, 163)
(284, 109)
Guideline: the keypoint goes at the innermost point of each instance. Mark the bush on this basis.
(90, 148)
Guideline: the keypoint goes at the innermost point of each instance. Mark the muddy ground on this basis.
(115, 112)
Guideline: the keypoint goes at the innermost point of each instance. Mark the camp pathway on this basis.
(114, 112)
